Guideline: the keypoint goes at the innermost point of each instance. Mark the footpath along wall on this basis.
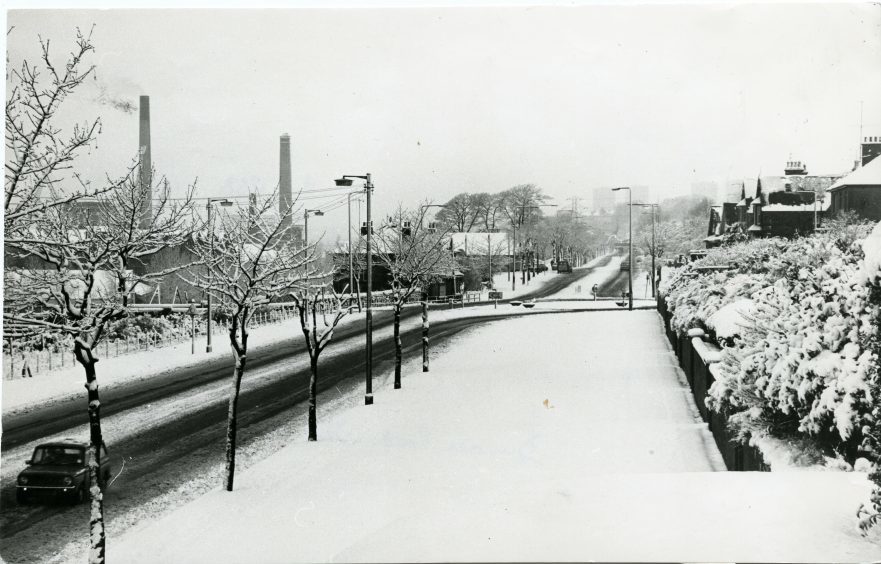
(697, 357)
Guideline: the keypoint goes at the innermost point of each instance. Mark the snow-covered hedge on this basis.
(800, 362)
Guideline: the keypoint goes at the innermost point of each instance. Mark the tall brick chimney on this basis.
(145, 173)
(284, 175)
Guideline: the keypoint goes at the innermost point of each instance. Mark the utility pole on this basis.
(346, 180)
(351, 265)
(368, 398)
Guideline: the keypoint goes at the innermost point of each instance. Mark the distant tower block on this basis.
(284, 176)
(145, 173)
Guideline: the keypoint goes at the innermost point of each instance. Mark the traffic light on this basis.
(364, 228)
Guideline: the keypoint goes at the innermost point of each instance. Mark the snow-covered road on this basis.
(541, 438)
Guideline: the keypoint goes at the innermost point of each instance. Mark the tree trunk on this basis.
(313, 392)
(424, 332)
(397, 346)
(231, 422)
(97, 539)
(358, 284)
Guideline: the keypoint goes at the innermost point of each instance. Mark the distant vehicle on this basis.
(563, 266)
(541, 267)
(59, 469)
(553, 265)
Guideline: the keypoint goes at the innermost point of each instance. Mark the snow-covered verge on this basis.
(493, 457)
(22, 394)
(798, 321)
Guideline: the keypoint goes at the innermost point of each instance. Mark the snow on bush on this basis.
(870, 273)
(798, 321)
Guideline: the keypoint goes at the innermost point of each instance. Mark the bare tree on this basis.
(488, 208)
(318, 336)
(459, 213)
(415, 256)
(521, 208)
(251, 261)
(138, 236)
(79, 284)
(40, 156)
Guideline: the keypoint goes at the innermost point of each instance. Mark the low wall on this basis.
(696, 358)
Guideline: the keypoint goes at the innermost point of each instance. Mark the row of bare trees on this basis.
(76, 253)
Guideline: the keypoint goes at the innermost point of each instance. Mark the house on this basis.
(859, 191)
(782, 206)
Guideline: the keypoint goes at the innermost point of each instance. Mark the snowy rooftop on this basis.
(869, 175)
(477, 243)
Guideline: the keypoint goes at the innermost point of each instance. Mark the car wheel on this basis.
(22, 497)
(79, 495)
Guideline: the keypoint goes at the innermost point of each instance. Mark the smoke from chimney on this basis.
(145, 173)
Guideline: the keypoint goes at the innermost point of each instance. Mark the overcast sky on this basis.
(437, 101)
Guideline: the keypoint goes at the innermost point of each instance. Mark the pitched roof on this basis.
(867, 175)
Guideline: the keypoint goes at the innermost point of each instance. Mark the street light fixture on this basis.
(225, 203)
(630, 243)
(346, 180)
(306, 224)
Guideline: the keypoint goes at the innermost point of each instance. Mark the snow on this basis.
(708, 352)
(821, 206)
(868, 175)
(491, 456)
(23, 394)
(729, 320)
(502, 283)
(870, 270)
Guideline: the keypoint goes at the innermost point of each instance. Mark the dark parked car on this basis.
(59, 469)
(541, 267)
(563, 266)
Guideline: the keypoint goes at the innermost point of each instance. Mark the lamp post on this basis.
(346, 180)
(306, 224)
(225, 203)
(630, 252)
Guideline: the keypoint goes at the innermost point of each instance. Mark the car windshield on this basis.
(58, 455)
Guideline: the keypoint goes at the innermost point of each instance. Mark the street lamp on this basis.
(225, 203)
(346, 180)
(630, 236)
(306, 213)
(654, 251)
